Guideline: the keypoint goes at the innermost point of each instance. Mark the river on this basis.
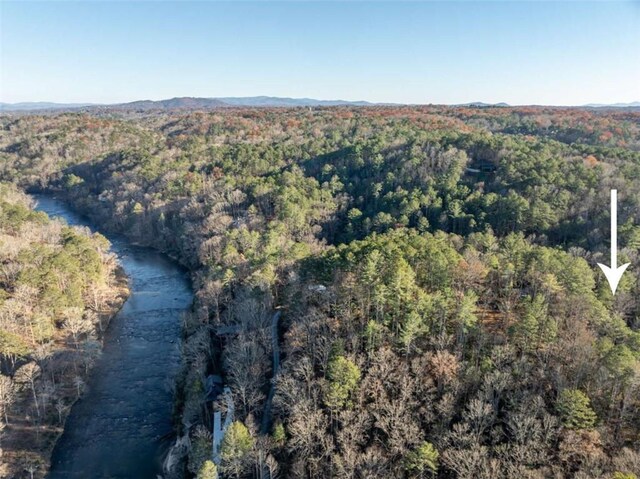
(121, 427)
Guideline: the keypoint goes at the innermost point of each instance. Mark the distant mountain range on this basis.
(194, 103)
(185, 103)
(480, 104)
(635, 104)
(41, 105)
(288, 102)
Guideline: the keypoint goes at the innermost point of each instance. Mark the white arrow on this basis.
(614, 273)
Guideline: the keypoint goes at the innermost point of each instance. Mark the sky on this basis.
(539, 52)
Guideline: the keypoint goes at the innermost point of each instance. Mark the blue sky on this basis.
(416, 52)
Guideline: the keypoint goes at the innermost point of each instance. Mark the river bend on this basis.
(120, 427)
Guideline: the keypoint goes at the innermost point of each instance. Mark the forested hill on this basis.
(58, 291)
(442, 311)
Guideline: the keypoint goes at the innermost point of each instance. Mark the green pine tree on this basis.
(421, 460)
(208, 471)
(343, 376)
(575, 409)
(235, 449)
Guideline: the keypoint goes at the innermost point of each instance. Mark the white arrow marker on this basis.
(614, 273)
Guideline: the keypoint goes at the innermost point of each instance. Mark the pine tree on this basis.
(624, 475)
(235, 449)
(422, 460)
(344, 377)
(208, 471)
(575, 409)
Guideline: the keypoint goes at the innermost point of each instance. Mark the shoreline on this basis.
(122, 284)
(17, 458)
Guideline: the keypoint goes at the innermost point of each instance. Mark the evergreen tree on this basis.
(235, 449)
(423, 459)
(208, 471)
(343, 376)
(575, 409)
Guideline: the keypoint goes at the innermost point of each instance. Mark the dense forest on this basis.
(435, 268)
(58, 289)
